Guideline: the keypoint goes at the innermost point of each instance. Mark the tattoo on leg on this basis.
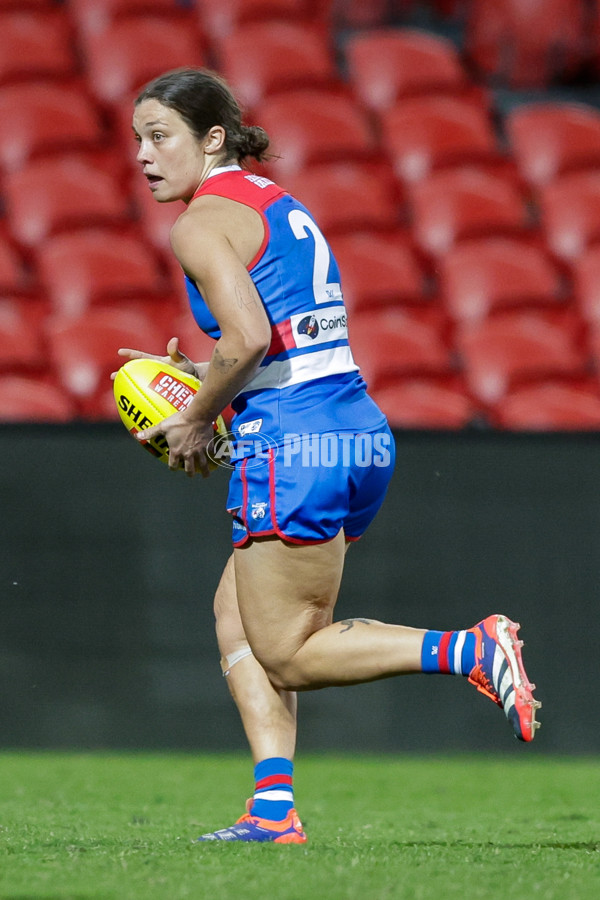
(349, 623)
(220, 363)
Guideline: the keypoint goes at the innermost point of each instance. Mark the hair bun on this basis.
(252, 141)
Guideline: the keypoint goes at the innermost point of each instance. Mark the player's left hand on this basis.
(188, 441)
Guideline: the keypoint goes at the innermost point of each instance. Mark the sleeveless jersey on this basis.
(308, 381)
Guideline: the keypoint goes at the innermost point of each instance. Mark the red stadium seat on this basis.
(594, 40)
(84, 351)
(593, 344)
(50, 195)
(94, 16)
(197, 345)
(426, 403)
(313, 126)
(586, 284)
(552, 405)
(364, 13)
(524, 45)
(20, 339)
(570, 213)
(450, 8)
(347, 196)
(35, 45)
(482, 276)
(386, 65)
(549, 139)
(98, 266)
(425, 133)
(45, 118)
(452, 205)
(269, 57)
(506, 350)
(378, 270)
(391, 343)
(20, 5)
(155, 219)
(12, 273)
(220, 17)
(131, 52)
(24, 399)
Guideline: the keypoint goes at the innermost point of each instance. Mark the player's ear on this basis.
(214, 140)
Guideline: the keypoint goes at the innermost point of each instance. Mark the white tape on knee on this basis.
(229, 662)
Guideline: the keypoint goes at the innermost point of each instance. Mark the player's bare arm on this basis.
(205, 252)
(206, 240)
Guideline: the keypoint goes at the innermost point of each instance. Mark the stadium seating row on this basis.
(469, 252)
(503, 370)
(56, 128)
(507, 42)
(476, 276)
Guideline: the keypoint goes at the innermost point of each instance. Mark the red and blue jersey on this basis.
(308, 381)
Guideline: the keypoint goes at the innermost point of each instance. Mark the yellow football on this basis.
(148, 391)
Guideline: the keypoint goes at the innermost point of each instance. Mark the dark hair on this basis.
(203, 99)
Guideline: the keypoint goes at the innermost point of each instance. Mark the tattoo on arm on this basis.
(349, 623)
(220, 363)
(244, 294)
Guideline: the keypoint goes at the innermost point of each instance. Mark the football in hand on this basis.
(148, 391)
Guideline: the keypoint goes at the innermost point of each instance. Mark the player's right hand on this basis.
(174, 357)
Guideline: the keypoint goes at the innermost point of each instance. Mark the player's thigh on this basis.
(285, 593)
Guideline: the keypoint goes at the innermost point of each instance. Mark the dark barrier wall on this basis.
(109, 562)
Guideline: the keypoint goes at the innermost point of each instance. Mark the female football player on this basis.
(313, 454)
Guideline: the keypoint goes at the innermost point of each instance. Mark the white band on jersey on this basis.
(218, 170)
(304, 367)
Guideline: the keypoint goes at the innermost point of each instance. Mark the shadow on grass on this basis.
(593, 846)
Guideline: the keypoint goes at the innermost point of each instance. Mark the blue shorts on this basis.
(307, 489)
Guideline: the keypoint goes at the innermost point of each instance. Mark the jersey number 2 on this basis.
(301, 224)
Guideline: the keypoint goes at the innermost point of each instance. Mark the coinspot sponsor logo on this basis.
(329, 324)
(308, 325)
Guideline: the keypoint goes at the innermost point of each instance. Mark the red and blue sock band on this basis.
(448, 652)
(274, 791)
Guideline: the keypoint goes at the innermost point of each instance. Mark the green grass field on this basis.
(121, 827)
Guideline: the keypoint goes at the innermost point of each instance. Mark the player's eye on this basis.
(157, 136)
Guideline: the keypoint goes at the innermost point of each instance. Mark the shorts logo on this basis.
(258, 510)
(309, 326)
(250, 427)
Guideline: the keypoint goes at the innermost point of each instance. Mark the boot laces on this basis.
(483, 683)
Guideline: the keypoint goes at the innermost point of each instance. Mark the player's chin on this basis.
(164, 198)
(162, 193)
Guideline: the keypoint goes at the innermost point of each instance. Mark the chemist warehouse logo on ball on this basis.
(301, 450)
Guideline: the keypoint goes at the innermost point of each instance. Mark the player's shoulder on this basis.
(201, 225)
(245, 187)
